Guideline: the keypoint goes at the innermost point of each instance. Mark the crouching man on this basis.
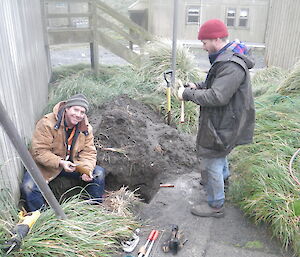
(62, 145)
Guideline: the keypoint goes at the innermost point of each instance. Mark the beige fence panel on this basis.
(283, 33)
(24, 76)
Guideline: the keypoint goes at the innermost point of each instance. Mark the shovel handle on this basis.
(166, 77)
(182, 112)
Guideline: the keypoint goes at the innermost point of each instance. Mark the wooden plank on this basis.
(69, 36)
(68, 29)
(117, 48)
(70, 1)
(105, 23)
(130, 24)
(23, 82)
(94, 48)
(68, 15)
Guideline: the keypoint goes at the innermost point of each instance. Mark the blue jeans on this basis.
(35, 200)
(217, 171)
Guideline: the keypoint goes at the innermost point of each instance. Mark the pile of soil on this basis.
(136, 147)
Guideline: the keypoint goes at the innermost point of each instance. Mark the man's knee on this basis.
(99, 173)
(28, 186)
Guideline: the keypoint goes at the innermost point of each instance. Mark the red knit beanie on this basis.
(212, 29)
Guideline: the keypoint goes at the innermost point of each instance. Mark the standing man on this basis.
(227, 115)
(62, 145)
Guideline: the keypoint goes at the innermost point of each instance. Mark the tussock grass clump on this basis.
(266, 80)
(158, 60)
(145, 83)
(90, 230)
(291, 85)
(111, 82)
(262, 184)
(65, 71)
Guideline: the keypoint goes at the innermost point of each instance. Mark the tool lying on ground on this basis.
(27, 220)
(175, 242)
(155, 236)
(166, 73)
(152, 237)
(129, 246)
(166, 185)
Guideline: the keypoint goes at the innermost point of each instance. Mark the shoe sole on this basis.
(207, 215)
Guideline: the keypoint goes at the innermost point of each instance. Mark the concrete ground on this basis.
(231, 236)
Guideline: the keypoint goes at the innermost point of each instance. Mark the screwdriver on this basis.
(142, 250)
(155, 236)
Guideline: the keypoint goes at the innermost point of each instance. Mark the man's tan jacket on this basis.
(49, 144)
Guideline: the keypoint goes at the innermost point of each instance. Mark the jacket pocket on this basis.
(210, 138)
(219, 132)
(227, 129)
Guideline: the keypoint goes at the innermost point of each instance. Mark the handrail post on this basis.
(94, 47)
(29, 163)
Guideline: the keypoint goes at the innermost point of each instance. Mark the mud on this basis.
(136, 147)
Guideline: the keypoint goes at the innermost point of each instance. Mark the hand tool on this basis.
(182, 112)
(155, 236)
(182, 104)
(142, 250)
(129, 245)
(175, 242)
(21, 230)
(166, 73)
(166, 185)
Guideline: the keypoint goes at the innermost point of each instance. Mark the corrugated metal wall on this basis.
(24, 76)
(283, 33)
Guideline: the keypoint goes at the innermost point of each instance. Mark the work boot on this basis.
(204, 210)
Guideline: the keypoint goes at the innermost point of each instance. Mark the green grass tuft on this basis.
(89, 230)
(291, 85)
(262, 186)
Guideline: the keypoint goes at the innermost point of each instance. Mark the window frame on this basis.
(188, 15)
(237, 17)
(231, 18)
(243, 18)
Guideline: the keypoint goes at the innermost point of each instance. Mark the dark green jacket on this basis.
(227, 115)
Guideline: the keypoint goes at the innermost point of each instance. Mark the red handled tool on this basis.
(142, 250)
(155, 236)
(166, 185)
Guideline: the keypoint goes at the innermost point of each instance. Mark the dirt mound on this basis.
(137, 148)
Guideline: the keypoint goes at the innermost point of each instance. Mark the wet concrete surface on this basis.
(231, 236)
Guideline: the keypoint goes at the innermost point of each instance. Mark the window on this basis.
(243, 20)
(230, 17)
(237, 17)
(193, 15)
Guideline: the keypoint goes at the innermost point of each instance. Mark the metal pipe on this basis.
(29, 163)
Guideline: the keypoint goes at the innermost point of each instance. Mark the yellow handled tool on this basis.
(27, 220)
(168, 93)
